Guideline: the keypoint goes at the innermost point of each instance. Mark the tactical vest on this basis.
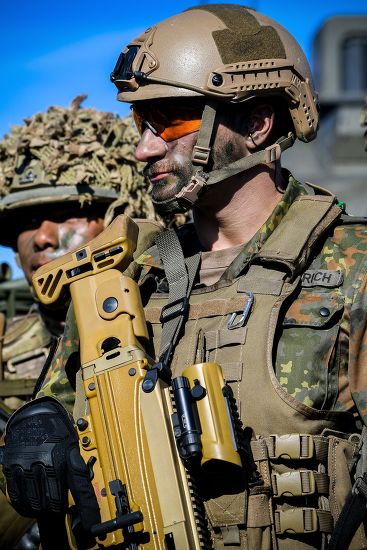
(303, 455)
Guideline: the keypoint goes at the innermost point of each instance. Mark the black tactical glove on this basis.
(42, 462)
(30, 540)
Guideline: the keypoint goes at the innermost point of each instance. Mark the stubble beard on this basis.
(163, 192)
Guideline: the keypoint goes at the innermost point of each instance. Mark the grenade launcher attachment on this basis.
(146, 496)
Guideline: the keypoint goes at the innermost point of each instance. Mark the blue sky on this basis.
(53, 51)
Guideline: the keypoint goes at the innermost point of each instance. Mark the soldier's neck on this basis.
(232, 212)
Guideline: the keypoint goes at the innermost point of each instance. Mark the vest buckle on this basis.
(294, 484)
(296, 520)
(201, 155)
(171, 311)
(291, 446)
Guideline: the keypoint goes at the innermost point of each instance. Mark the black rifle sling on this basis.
(180, 273)
(354, 511)
(351, 516)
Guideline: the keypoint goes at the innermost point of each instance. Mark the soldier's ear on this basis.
(260, 125)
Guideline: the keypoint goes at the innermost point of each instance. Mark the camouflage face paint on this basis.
(171, 172)
(52, 239)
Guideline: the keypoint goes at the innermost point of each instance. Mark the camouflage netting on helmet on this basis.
(72, 154)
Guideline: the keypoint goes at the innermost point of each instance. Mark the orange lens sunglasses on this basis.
(171, 123)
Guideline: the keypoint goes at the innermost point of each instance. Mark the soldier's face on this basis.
(44, 238)
(169, 166)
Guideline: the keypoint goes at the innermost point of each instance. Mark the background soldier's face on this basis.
(45, 237)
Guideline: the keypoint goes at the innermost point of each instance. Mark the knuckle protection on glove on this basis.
(38, 440)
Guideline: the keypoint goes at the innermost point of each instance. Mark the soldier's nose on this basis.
(46, 235)
(150, 146)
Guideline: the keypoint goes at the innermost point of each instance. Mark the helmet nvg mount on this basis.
(222, 53)
(72, 154)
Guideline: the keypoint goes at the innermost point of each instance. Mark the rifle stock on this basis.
(126, 437)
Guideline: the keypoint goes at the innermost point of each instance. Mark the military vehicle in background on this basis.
(15, 295)
(337, 158)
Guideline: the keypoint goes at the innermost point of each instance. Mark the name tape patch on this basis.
(322, 277)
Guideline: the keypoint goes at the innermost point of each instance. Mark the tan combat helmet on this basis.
(223, 53)
(70, 154)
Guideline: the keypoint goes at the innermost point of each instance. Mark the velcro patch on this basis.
(322, 277)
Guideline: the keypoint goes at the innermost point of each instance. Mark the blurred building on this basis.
(337, 158)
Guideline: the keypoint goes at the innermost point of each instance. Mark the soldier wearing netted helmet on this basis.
(64, 175)
(218, 92)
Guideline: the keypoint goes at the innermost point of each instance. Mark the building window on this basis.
(354, 64)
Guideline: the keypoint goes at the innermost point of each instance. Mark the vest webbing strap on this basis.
(180, 273)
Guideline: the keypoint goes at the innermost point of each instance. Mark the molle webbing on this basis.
(244, 39)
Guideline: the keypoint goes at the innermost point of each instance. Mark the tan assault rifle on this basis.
(126, 437)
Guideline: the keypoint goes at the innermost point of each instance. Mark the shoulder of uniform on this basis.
(351, 227)
(346, 219)
(24, 334)
(346, 244)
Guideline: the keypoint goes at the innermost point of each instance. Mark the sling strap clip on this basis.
(167, 315)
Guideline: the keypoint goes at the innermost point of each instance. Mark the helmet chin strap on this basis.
(201, 179)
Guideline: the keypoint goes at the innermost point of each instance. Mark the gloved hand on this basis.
(42, 462)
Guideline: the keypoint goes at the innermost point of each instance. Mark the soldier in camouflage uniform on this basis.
(280, 299)
(64, 174)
